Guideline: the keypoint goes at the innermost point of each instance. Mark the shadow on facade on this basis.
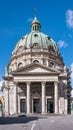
(16, 120)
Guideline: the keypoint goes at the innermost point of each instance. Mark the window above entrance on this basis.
(35, 61)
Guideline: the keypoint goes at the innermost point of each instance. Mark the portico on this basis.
(37, 95)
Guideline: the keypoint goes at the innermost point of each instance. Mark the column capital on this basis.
(43, 82)
(16, 83)
(56, 82)
(28, 82)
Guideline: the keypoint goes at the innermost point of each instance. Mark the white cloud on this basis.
(72, 71)
(29, 19)
(1, 84)
(62, 44)
(69, 18)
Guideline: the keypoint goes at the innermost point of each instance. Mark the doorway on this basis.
(36, 105)
(50, 106)
(22, 105)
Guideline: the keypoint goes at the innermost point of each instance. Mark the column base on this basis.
(43, 113)
(56, 112)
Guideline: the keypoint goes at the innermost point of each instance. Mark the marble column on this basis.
(41, 58)
(28, 97)
(16, 97)
(43, 97)
(47, 63)
(56, 97)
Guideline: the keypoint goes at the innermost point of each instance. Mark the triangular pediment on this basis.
(35, 68)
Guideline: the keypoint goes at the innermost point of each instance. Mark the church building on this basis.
(36, 79)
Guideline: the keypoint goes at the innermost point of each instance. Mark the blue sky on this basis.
(55, 16)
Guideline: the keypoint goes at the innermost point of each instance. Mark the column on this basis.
(43, 97)
(56, 97)
(8, 98)
(28, 97)
(16, 97)
(47, 63)
(41, 58)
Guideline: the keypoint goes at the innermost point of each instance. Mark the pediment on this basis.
(35, 68)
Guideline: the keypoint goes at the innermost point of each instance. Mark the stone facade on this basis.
(35, 78)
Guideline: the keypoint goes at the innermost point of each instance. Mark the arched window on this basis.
(33, 27)
(20, 65)
(36, 45)
(35, 61)
(51, 64)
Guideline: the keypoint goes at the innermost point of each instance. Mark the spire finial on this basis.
(35, 12)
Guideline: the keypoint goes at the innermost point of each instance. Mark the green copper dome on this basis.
(35, 37)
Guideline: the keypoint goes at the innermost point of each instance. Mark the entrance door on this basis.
(22, 105)
(36, 105)
(50, 106)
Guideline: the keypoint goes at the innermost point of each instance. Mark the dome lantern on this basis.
(35, 26)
